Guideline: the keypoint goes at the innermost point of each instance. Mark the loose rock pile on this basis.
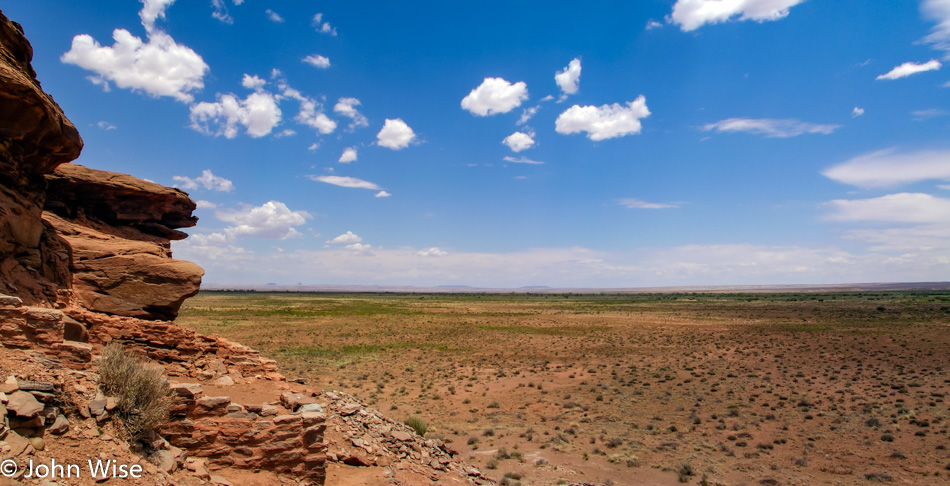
(371, 439)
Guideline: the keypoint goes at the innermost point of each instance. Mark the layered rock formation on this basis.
(117, 229)
(85, 259)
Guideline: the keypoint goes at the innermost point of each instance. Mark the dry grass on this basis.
(140, 388)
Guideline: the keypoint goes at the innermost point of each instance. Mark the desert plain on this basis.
(715, 388)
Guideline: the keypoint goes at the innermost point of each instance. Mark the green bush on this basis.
(418, 425)
(139, 387)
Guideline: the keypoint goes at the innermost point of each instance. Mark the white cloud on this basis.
(692, 14)
(272, 219)
(274, 16)
(313, 147)
(202, 204)
(631, 203)
(346, 238)
(347, 108)
(903, 207)
(317, 61)
(607, 121)
(207, 180)
(928, 237)
(360, 249)
(909, 68)
(106, 125)
(287, 132)
(382, 194)
(924, 115)
(521, 160)
(519, 141)
(349, 155)
(153, 10)
(159, 67)
(431, 252)
(569, 79)
(653, 24)
(221, 11)
(322, 27)
(938, 11)
(395, 135)
(252, 82)
(527, 114)
(258, 114)
(772, 128)
(309, 116)
(495, 95)
(346, 182)
(856, 112)
(889, 168)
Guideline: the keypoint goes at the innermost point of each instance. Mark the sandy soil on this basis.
(726, 390)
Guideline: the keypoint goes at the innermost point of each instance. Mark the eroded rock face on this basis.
(71, 235)
(118, 229)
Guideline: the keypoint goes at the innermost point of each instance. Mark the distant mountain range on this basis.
(849, 287)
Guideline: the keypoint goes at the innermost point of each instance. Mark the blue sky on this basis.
(607, 144)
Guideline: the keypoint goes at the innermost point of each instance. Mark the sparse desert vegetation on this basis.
(793, 388)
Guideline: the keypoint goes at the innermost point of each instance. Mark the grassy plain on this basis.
(803, 388)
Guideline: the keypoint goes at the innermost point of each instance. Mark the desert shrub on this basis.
(139, 387)
(684, 472)
(418, 425)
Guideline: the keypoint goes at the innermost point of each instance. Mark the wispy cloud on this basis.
(639, 204)
(890, 168)
(274, 16)
(910, 68)
(772, 128)
(856, 112)
(317, 61)
(905, 207)
(345, 182)
(521, 160)
(207, 180)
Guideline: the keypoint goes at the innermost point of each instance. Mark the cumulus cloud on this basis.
(274, 16)
(910, 68)
(431, 252)
(638, 204)
(253, 82)
(202, 204)
(347, 108)
(158, 67)
(360, 249)
(521, 160)
(323, 27)
(310, 115)
(346, 238)
(939, 12)
(382, 194)
(772, 128)
(495, 95)
(693, 14)
(519, 141)
(395, 135)
(207, 180)
(603, 122)
(569, 79)
(345, 182)
(272, 219)
(856, 112)
(889, 168)
(905, 207)
(258, 114)
(317, 61)
(349, 155)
